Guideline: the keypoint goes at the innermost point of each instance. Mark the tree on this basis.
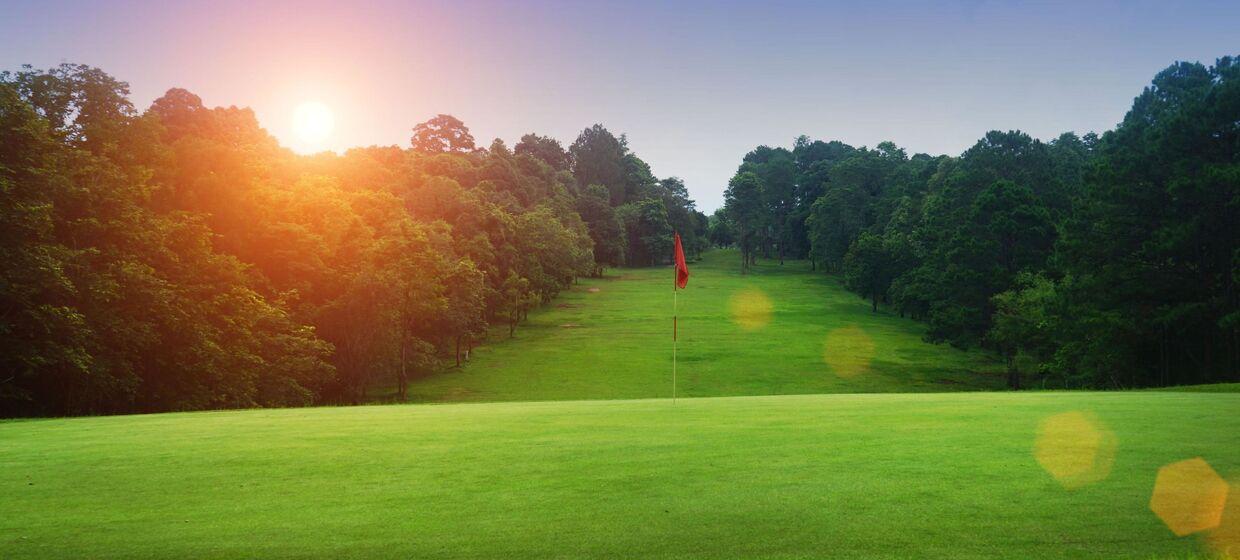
(43, 337)
(868, 268)
(517, 298)
(545, 149)
(599, 159)
(606, 229)
(721, 230)
(1024, 322)
(1152, 247)
(444, 133)
(648, 231)
(181, 259)
(743, 205)
(777, 171)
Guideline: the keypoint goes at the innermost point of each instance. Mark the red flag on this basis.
(682, 270)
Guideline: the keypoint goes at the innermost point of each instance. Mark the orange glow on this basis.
(1075, 448)
(1189, 496)
(848, 351)
(1225, 539)
(750, 309)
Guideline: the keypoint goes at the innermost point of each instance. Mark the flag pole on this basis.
(675, 293)
(680, 276)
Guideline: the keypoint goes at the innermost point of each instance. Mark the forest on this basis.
(179, 258)
(1106, 261)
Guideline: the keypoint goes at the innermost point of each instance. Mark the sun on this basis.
(313, 123)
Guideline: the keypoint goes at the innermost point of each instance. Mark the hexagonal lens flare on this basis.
(1075, 448)
(1189, 496)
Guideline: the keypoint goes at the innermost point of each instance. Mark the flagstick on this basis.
(675, 292)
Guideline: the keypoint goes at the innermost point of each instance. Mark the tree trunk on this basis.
(874, 303)
(402, 382)
(1013, 373)
(458, 351)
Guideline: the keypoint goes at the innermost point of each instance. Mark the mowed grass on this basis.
(778, 330)
(844, 476)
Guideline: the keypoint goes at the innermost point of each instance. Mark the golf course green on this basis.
(845, 476)
(781, 329)
(908, 471)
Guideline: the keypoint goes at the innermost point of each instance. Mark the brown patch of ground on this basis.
(569, 326)
(593, 290)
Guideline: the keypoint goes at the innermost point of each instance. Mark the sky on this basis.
(693, 85)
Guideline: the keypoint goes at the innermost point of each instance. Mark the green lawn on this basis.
(610, 338)
(788, 475)
(846, 476)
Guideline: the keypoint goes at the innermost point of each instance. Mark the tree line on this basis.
(179, 258)
(1086, 261)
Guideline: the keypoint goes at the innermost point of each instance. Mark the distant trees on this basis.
(1101, 261)
(546, 149)
(111, 304)
(869, 268)
(605, 228)
(599, 159)
(720, 229)
(630, 214)
(743, 209)
(180, 259)
(444, 133)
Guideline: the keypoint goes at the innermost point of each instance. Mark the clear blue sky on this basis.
(694, 85)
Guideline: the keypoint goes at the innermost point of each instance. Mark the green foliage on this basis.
(444, 133)
(1025, 322)
(720, 229)
(1132, 236)
(641, 212)
(869, 268)
(181, 259)
(606, 229)
(547, 149)
(599, 159)
(648, 231)
(744, 209)
(1153, 250)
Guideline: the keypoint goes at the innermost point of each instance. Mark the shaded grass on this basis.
(1210, 388)
(848, 476)
(610, 338)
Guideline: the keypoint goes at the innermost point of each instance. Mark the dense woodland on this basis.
(179, 258)
(1086, 261)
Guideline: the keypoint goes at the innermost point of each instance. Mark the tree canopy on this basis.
(180, 258)
(1103, 261)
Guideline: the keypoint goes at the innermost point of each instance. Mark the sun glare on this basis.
(313, 123)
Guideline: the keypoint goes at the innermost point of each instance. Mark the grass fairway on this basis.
(847, 476)
(779, 330)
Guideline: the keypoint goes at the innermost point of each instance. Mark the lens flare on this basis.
(1225, 539)
(1075, 448)
(1189, 496)
(750, 309)
(848, 351)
